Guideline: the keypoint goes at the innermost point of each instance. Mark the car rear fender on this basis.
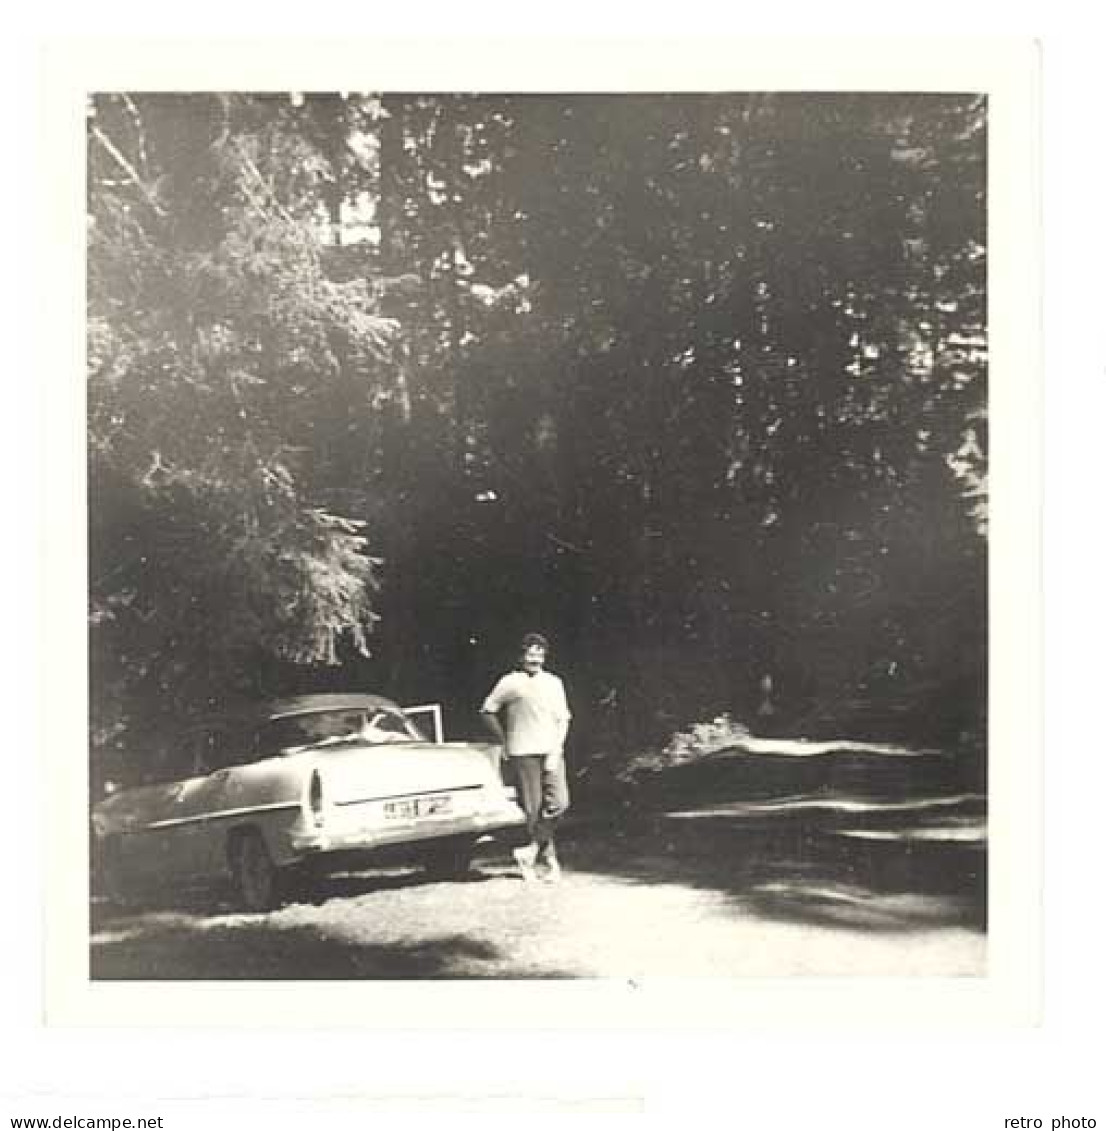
(276, 831)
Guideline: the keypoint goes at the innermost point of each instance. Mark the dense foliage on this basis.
(215, 344)
(696, 384)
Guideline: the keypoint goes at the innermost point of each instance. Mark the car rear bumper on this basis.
(321, 842)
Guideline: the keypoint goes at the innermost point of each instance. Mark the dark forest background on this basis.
(694, 384)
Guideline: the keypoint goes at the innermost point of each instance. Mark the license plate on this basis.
(437, 805)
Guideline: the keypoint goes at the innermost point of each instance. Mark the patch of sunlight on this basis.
(830, 894)
(805, 748)
(857, 905)
(971, 834)
(106, 938)
(136, 926)
(236, 919)
(833, 804)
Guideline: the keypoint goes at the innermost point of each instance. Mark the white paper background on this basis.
(792, 1075)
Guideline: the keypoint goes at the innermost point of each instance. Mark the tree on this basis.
(737, 425)
(697, 382)
(216, 347)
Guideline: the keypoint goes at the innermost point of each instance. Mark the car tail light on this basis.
(315, 800)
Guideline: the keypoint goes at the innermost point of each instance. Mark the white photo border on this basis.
(1007, 71)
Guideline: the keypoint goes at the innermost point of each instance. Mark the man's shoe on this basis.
(552, 866)
(526, 858)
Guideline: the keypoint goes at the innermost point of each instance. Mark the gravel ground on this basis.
(699, 895)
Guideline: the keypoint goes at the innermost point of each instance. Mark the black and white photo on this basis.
(687, 391)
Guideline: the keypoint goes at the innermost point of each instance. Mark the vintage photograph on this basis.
(537, 535)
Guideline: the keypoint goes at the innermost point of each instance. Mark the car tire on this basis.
(450, 859)
(254, 877)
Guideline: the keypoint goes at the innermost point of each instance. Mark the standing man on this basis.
(528, 713)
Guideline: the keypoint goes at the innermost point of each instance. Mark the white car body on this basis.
(320, 779)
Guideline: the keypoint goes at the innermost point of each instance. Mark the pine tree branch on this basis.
(140, 132)
(250, 167)
(127, 168)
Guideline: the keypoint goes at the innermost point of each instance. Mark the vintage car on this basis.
(281, 793)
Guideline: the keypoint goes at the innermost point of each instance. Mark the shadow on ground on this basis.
(178, 949)
(871, 863)
(316, 890)
(845, 850)
(194, 936)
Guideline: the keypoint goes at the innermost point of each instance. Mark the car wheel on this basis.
(450, 859)
(253, 874)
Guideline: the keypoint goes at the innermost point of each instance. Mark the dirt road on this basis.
(709, 892)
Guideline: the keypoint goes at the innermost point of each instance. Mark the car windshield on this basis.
(347, 725)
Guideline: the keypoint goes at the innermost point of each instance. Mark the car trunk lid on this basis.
(366, 771)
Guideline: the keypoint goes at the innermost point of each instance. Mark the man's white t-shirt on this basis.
(533, 710)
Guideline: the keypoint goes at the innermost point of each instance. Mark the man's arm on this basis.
(491, 721)
(489, 712)
(564, 733)
(562, 729)
(563, 720)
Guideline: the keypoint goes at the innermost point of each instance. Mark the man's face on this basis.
(533, 658)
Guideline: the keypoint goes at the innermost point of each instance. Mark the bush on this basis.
(700, 740)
